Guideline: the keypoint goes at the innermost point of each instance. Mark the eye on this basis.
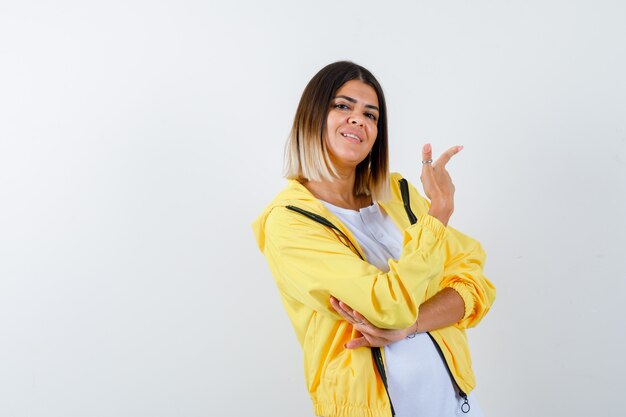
(370, 116)
(341, 106)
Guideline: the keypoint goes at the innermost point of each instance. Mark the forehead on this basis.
(359, 91)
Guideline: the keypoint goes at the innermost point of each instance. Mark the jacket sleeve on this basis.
(310, 263)
(463, 270)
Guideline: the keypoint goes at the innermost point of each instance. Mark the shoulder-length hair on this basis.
(306, 154)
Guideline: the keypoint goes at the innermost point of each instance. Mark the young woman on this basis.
(378, 287)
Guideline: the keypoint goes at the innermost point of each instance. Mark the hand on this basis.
(369, 335)
(437, 183)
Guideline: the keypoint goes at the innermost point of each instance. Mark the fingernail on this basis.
(459, 148)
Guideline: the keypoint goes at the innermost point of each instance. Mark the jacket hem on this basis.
(334, 410)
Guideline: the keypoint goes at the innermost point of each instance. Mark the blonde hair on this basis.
(306, 155)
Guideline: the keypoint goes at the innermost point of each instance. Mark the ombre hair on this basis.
(306, 154)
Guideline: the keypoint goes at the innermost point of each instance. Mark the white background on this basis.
(139, 139)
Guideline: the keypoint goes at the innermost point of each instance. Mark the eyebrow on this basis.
(351, 100)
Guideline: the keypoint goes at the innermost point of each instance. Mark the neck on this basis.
(339, 192)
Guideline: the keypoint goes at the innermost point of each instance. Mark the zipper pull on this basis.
(465, 407)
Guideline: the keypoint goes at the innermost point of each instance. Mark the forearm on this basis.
(441, 310)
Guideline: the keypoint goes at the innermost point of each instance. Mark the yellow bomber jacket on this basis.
(312, 256)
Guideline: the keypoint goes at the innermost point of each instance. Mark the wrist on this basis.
(412, 331)
(442, 215)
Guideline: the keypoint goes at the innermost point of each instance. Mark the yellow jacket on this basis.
(312, 256)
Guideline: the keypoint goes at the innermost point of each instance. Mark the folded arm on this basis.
(463, 297)
(443, 309)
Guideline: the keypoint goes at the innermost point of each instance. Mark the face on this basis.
(352, 124)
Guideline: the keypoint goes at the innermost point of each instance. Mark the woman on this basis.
(362, 261)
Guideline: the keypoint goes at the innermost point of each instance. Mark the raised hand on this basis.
(437, 183)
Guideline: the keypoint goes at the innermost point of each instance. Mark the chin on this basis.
(347, 162)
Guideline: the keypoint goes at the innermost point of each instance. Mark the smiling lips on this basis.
(352, 137)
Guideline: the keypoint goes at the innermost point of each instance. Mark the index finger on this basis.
(447, 155)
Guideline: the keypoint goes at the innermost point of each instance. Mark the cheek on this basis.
(374, 136)
(332, 120)
(374, 132)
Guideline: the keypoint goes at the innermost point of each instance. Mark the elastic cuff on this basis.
(465, 294)
(434, 225)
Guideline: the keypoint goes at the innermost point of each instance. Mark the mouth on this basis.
(352, 137)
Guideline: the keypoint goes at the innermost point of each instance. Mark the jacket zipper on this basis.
(380, 366)
(404, 190)
(325, 222)
(377, 355)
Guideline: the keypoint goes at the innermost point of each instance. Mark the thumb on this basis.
(427, 152)
(427, 176)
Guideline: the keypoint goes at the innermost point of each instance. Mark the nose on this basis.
(356, 120)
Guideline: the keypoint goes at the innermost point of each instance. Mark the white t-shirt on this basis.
(418, 378)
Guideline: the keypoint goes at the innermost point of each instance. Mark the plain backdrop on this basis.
(139, 139)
